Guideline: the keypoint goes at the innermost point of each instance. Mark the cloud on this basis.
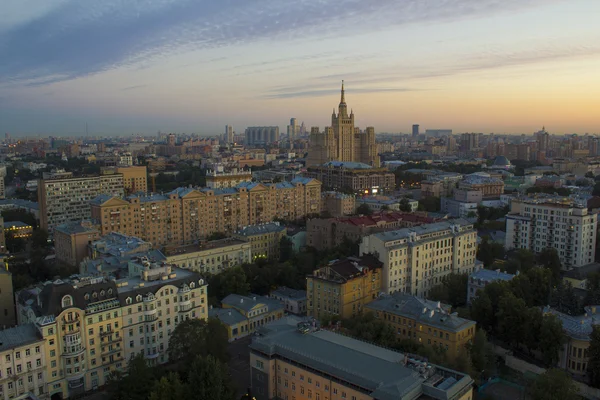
(77, 38)
(133, 87)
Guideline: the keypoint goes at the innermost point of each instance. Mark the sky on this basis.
(193, 66)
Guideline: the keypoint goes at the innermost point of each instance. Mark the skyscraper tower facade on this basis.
(342, 141)
(228, 134)
(415, 130)
(293, 130)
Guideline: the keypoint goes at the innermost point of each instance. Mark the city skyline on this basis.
(197, 66)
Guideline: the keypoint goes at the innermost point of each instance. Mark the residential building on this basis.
(357, 177)
(574, 356)
(20, 204)
(264, 239)
(457, 208)
(291, 358)
(212, 257)
(72, 240)
(338, 204)
(220, 180)
(186, 215)
(379, 203)
(261, 135)
(18, 229)
(442, 185)
(577, 277)
(343, 287)
(327, 233)
(342, 141)
(93, 326)
(478, 280)
(2, 188)
(23, 363)
(480, 181)
(63, 198)
(293, 300)
(243, 315)
(7, 297)
(426, 322)
(416, 259)
(135, 178)
(554, 222)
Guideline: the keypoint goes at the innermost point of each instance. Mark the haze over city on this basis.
(195, 66)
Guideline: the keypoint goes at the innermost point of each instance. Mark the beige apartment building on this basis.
(327, 233)
(338, 204)
(72, 240)
(212, 257)
(293, 359)
(187, 215)
(63, 198)
(135, 178)
(264, 239)
(220, 180)
(91, 327)
(416, 259)
(360, 178)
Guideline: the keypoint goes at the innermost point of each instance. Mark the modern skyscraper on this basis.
(261, 135)
(342, 141)
(293, 130)
(415, 130)
(228, 134)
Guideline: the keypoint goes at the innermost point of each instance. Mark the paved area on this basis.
(239, 364)
(502, 391)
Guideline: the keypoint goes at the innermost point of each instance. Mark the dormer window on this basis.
(67, 301)
(138, 297)
(109, 292)
(192, 285)
(129, 300)
(102, 293)
(86, 296)
(95, 295)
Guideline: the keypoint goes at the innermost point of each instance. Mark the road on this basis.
(239, 364)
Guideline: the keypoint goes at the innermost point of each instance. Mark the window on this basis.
(27, 352)
(18, 355)
(259, 364)
(67, 301)
(52, 353)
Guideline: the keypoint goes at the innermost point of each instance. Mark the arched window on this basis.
(67, 301)
(192, 285)
(128, 300)
(86, 296)
(102, 293)
(109, 292)
(139, 297)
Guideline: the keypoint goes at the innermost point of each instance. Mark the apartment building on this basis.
(91, 327)
(22, 363)
(63, 198)
(243, 315)
(416, 259)
(338, 204)
(291, 358)
(359, 177)
(264, 239)
(212, 257)
(484, 183)
(135, 178)
(187, 215)
(426, 322)
(220, 180)
(71, 241)
(7, 298)
(343, 287)
(563, 224)
(327, 233)
(294, 300)
(478, 280)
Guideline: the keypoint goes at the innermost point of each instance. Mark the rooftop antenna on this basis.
(86, 129)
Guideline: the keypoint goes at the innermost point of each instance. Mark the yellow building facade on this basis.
(425, 322)
(264, 239)
(343, 288)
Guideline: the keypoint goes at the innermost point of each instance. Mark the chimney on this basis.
(241, 300)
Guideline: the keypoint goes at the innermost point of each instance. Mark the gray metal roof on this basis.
(246, 303)
(422, 311)
(19, 336)
(490, 276)
(287, 292)
(229, 316)
(421, 229)
(261, 229)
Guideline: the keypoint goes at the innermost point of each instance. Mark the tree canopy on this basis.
(554, 384)
(198, 338)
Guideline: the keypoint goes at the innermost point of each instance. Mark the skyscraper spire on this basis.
(343, 100)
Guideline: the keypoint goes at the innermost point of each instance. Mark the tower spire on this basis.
(343, 100)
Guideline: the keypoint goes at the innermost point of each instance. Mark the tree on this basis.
(549, 259)
(198, 338)
(366, 327)
(488, 252)
(136, 384)
(482, 311)
(452, 290)
(217, 236)
(554, 384)
(512, 319)
(551, 339)
(232, 280)
(430, 204)
(364, 209)
(589, 174)
(39, 238)
(594, 354)
(208, 379)
(405, 205)
(482, 355)
(168, 388)
(286, 249)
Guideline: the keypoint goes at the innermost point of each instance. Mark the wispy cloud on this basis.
(77, 38)
(133, 87)
(330, 92)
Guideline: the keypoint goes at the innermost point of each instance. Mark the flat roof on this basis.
(210, 245)
(421, 229)
(18, 224)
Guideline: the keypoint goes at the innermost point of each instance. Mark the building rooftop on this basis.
(101, 199)
(405, 233)
(18, 336)
(289, 293)
(580, 326)
(252, 230)
(210, 245)
(501, 161)
(347, 164)
(379, 218)
(229, 316)
(489, 275)
(382, 374)
(71, 228)
(16, 224)
(421, 310)
(582, 272)
(20, 203)
(246, 303)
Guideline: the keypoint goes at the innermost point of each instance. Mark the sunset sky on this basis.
(139, 66)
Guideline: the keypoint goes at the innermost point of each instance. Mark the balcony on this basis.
(185, 308)
(150, 318)
(150, 311)
(108, 352)
(70, 351)
(107, 333)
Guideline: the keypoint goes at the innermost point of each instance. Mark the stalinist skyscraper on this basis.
(342, 141)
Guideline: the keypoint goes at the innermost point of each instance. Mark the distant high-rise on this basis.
(228, 134)
(342, 141)
(261, 135)
(542, 138)
(293, 130)
(415, 130)
(171, 139)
